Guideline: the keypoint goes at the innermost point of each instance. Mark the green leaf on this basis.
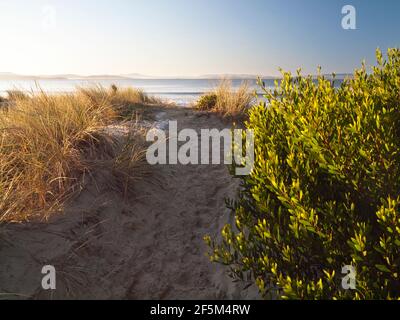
(382, 268)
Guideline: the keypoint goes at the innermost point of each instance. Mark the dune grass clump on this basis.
(48, 142)
(227, 101)
(325, 190)
(3, 103)
(16, 94)
(128, 162)
(43, 138)
(126, 101)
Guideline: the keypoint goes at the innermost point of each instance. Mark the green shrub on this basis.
(206, 102)
(324, 191)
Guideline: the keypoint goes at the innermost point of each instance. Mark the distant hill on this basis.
(138, 76)
(224, 76)
(104, 77)
(13, 76)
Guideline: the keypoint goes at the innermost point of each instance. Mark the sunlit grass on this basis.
(124, 100)
(227, 101)
(16, 94)
(47, 143)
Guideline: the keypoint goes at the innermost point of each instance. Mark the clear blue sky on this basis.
(191, 37)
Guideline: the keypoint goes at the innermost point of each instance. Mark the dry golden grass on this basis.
(128, 163)
(124, 100)
(16, 94)
(47, 143)
(227, 101)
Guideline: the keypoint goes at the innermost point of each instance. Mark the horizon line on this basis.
(137, 76)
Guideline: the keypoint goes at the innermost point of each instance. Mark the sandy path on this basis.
(149, 246)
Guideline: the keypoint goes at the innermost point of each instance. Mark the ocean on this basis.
(180, 91)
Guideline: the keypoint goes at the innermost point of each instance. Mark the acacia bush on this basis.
(325, 189)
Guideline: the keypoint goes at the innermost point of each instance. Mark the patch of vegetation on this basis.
(227, 101)
(48, 142)
(126, 101)
(324, 191)
(14, 95)
(207, 102)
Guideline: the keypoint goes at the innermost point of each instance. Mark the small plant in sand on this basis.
(207, 102)
(129, 162)
(227, 101)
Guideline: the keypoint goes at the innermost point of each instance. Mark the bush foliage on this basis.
(325, 188)
(207, 102)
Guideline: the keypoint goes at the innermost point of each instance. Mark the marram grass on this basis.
(48, 142)
(227, 101)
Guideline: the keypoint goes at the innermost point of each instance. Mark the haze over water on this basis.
(180, 91)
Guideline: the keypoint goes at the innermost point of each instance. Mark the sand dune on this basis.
(148, 245)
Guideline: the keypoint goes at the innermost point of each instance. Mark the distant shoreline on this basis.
(180, 91)
(17, 77)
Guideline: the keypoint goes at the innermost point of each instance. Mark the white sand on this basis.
(149, 246)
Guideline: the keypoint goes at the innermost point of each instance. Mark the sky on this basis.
(191, 37)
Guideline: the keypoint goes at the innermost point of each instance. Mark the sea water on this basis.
(183, 92)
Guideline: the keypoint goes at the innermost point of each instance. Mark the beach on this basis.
(212, 151)
(147, 245)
